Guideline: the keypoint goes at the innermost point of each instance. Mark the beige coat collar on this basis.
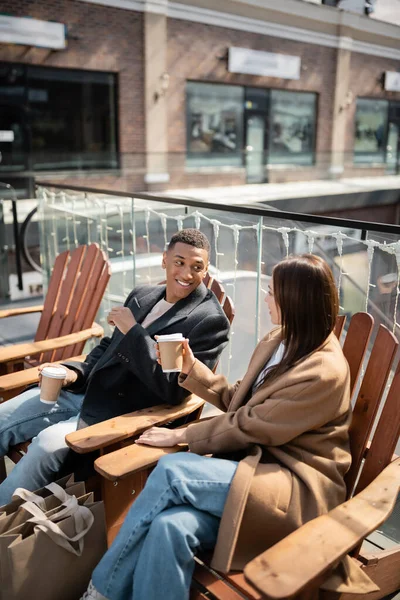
(261, 356)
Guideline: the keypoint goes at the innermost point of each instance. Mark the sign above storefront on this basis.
(268, 64)
(392, 81)
(32, 32)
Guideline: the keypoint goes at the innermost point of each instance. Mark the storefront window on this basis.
(59, 118)
(72, 118)
(370, 131)
(214, 124)
(292, 127)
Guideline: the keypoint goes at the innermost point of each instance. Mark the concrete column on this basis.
(343, 97)
(156, 80)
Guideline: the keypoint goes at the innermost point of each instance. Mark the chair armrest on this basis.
(117, 429)
(312, 551)
(18, 351)
(15, 312)
(27, 376)
(127, 461)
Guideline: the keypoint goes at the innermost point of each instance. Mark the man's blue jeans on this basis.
(25, 417)
(177, 514)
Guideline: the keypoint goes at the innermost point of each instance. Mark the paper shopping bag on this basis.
(47, 498)
(47, 560)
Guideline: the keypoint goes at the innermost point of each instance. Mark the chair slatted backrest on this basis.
(385, 438)
(225, 301)
(61, 307)
(90, 290)
(356, 343)
(340, 322)
(52, 295)
(76, 287)
(228, 308)
(368, 400)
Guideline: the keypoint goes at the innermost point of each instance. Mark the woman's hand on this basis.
(188, 356)
(161, 436)
(70, 377)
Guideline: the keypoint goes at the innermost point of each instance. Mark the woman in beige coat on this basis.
(280, 451)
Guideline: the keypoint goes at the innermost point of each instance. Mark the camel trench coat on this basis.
(293, 433)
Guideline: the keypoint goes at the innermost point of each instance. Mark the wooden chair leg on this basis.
(118, 497)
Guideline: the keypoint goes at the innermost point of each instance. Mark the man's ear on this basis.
(164, 260)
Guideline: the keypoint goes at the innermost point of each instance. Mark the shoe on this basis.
(92, 594)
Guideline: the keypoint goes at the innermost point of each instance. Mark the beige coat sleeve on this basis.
(301, 407)
(212, 388)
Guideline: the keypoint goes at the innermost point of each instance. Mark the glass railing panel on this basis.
(69, 219)
(245, 246)
(384, 264)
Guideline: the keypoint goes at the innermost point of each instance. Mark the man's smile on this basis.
(183, 283)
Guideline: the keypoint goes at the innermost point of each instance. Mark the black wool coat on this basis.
(121, 374)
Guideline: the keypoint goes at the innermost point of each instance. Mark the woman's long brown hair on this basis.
(306, 295)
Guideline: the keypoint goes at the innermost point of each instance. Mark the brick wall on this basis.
(366, 80)
(107, 39)
(111, 39)
(194, 53)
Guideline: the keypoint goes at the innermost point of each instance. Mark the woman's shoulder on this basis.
(275, 333)
(328, 360)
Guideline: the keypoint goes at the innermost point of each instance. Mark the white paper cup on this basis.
(51, 383)
(171, 352)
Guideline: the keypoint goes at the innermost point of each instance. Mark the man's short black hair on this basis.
(192, 237)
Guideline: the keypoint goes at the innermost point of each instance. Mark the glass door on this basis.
(254, 149)
(392, 156)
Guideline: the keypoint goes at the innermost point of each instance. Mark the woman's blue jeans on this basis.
(25, 417)
(177, 513)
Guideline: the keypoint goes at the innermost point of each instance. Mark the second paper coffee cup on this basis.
(171, 352)
(51, 383)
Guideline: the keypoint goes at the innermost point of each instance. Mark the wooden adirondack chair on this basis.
(76, 288)
(121, 431)
(296, 566)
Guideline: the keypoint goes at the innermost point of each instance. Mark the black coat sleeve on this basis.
(137, 349)
(83, 369)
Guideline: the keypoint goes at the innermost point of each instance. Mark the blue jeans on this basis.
(25, 417)
(177, 513)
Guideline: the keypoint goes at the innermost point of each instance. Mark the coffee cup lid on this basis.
(54, 372)
(171, 337)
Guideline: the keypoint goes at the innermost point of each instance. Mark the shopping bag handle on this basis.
(28, 496)
(83, 520)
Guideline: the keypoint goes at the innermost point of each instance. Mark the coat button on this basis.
(119, 354)
(121, 394)
(127, 359)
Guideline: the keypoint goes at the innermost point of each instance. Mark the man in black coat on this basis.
(121, 374)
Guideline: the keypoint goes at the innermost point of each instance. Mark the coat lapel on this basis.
(261, 356)
(180, 310)
(142, 305)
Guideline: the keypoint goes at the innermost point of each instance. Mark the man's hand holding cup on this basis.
(52, 377)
